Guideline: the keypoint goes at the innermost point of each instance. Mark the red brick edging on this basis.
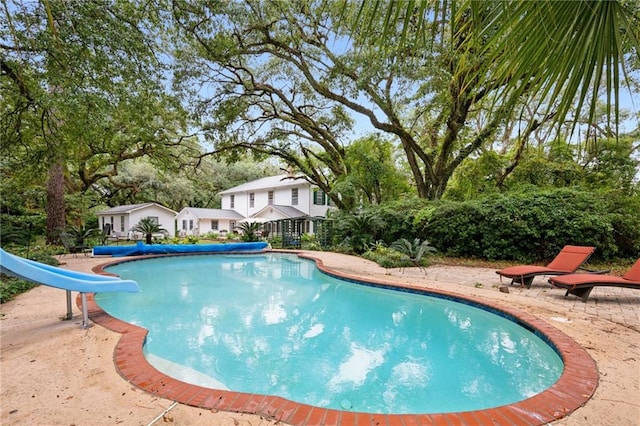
(573, 389)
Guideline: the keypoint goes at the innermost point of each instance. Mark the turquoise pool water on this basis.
(274, 324)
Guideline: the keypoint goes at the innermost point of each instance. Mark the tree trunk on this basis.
(55, 206)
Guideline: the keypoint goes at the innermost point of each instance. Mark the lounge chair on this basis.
(566, 262)
(581, 284)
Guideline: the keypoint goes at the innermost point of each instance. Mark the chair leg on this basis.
(528, 281)
(522, 281)
(583, 293)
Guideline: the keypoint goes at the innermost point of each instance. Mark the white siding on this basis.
(282, 196)
(166, 219)
(188, 216)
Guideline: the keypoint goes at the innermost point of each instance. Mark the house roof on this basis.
(129, 208)
(286, 211)
(201, 213)
(267, 183)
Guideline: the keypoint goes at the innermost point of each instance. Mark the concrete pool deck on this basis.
(52, 372)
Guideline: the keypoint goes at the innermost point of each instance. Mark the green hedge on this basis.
(528, 226)
(532, 227)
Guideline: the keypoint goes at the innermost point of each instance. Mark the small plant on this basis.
(80, 234)
(310, 242)
(191, 239)
(415, 250)
(375, 245)
(148, 226)
(386, 257)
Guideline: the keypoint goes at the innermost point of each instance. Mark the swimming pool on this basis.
(426, 354)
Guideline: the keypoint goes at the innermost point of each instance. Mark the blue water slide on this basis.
(63, 278)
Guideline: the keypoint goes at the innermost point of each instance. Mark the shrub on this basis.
(10, 287)
(191, 239)
(387, 257)
(21, 230)
(527, 227)
(624, 215)
(357, 230)
(452, 223)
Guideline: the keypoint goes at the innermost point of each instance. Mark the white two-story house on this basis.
(265, 200)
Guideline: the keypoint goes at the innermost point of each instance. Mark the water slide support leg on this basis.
(69, 309)
(85, 311)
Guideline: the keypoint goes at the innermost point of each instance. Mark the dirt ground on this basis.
(53, 372)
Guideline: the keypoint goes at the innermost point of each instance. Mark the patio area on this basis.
(53, 372)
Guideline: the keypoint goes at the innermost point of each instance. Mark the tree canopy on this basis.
(285, 79)
(128, 102)
(83, 91)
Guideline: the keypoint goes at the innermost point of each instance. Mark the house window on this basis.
(232, 225)
(232, 200)
(252, 199)
(111, 222)
(318, 197)
(184, 224)
(154, 219)
(270, 195)
(294, 196)
(191, 224)
(121, 223)
(214, 225)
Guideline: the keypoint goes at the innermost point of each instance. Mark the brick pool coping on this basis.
(571, 391)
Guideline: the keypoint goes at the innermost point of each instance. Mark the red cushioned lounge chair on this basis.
(566, 262)
(582, 284)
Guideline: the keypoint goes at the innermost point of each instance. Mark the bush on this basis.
(624, 214)
(387, 257)
(21, 230)
(530, 227)
(398, 218)
(357, 230)
(10, 287)
(449, 224)
(387, 223)
(191, 239)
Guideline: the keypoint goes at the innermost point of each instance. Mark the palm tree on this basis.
(250, 230)
(148, 226)
(564, 52)
(360, 230)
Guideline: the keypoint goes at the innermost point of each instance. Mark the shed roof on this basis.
(129, 208)
(201, 213)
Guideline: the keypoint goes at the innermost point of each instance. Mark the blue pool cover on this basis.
(141, 248)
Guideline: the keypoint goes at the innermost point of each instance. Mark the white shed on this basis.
(122, 218)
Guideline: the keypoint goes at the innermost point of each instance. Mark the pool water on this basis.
(274, 324)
